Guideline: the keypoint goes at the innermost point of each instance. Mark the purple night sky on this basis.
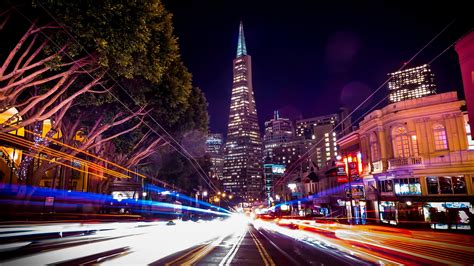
(310, 59)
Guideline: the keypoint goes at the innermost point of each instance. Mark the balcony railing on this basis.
(401, 162)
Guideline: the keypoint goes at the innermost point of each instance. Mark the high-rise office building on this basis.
(278, 129)
(243, 150)
(411, 83)
(280, 146)
(215, 150)
(321, 132)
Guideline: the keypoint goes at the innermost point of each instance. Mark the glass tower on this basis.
(242, 173)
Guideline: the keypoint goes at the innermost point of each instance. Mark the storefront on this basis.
(321, 206)
(358, 213)
(388, 212)
(448, 215)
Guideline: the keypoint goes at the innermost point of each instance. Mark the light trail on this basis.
(382, 244)
(58, 154)
(70, 200)
(128, 243)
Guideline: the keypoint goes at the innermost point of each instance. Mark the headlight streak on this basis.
(394, 244)
(144, 242)
(68, 201)
(186, 198)
(335, 247)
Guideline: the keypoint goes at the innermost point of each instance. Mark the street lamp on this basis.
(204, 193)
(217, 200)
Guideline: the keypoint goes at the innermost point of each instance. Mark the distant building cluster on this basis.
(411, 161)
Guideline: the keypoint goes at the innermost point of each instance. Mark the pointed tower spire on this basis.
(241, 47)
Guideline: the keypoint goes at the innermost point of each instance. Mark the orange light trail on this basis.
(54, 153)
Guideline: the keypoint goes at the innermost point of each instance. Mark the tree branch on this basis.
(17, 48)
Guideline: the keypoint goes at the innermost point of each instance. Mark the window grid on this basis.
(401, 143)
(374, 147)
(441, 142)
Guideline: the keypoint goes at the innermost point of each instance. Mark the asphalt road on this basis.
(259, 247)
(232, 241)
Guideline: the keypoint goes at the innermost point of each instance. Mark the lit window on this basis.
(470, 141)
(400, 142)
(441, 143)
(414, 144)
(374, 147)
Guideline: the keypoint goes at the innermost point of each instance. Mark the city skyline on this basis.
(349, 133)
(312, 77)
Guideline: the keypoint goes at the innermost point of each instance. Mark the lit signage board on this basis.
(408, 189)
(275, 168)
(278, 169)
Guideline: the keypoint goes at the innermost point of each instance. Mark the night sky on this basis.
(312, 58)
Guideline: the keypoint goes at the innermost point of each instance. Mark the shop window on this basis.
(407, 186)
(441, 142)
(385, 186)
(432, 183)
(459, 185)
(388, 212)
(448, 215)
(446, 185)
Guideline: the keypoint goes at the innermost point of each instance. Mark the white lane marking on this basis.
(230, 255)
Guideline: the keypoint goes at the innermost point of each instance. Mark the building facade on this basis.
(322, 134)
(215, 150)
(411, 83)
(465, 49)
(278, 129)
(271, 173)
(242, 173)
(420, 163)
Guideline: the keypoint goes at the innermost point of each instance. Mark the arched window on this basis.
(374, 147)
(440, 140)
(401, 146)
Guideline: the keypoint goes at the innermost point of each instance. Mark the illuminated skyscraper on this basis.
(243, 150)
(411, 83)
